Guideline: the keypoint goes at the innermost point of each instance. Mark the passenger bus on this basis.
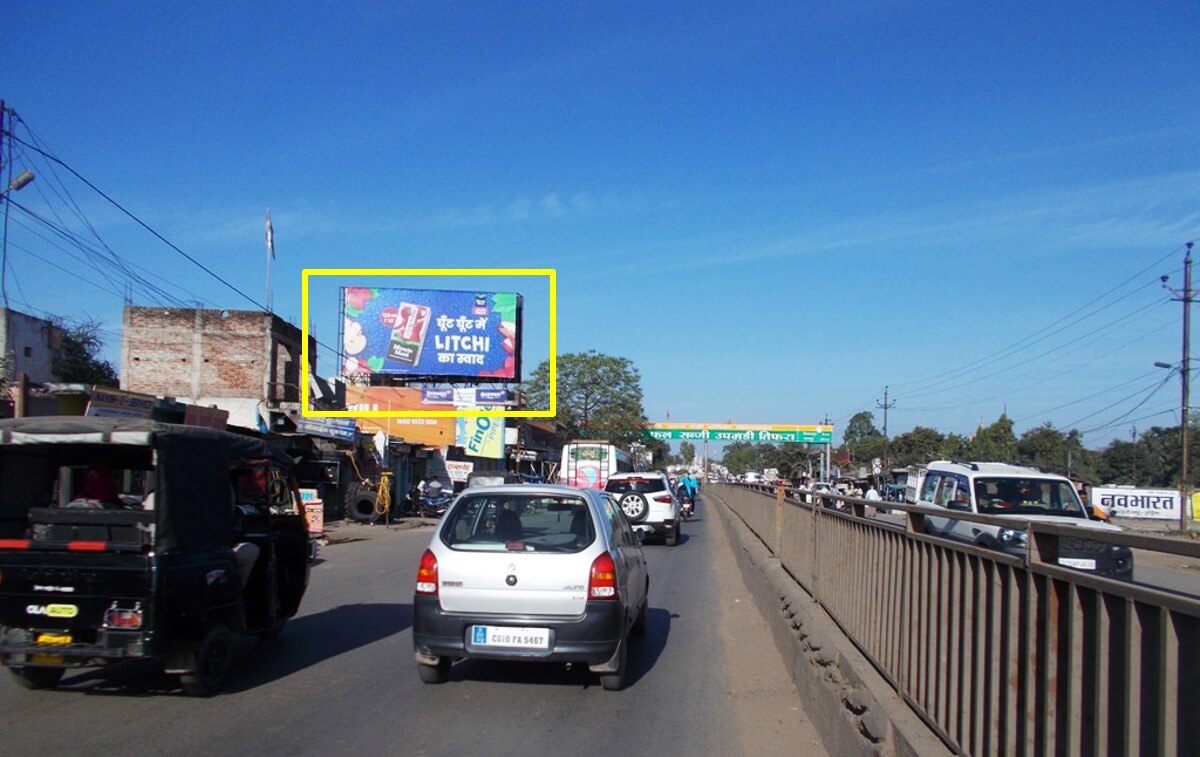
(587, 464)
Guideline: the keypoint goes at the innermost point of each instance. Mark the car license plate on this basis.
(54, 638)
(507, 636)
(1074, 562)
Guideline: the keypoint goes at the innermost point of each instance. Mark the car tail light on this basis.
(602, 584)
(121, 617)
(663, 498)
(427, 574)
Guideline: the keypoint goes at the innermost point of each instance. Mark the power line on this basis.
(142, 223)
(969, 367)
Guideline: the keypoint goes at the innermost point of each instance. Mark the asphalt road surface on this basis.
(706, 679)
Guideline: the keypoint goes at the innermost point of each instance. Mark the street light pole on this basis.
(1185, 371)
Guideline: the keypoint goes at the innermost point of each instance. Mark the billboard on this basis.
(434, 432)
(480, 436)
(740, 432)
(1153, 504)
(431, 333)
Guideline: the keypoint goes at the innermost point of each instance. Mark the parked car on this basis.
(648, 501)
(1023, 495)
(531, 572)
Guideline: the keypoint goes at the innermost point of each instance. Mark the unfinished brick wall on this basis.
(211, 353)
(192, 353)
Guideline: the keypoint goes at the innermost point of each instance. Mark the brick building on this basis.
(243, 361)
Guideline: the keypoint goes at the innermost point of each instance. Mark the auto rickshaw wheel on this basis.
(213, 657)
(38, 678)
(272, 633)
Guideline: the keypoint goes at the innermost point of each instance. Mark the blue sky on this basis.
(774, 210)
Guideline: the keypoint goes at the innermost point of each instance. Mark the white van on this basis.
(1022, 495)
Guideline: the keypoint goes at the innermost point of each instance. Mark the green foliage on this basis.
(80, 362)
(599, 397)
(918, 446)
(740, 457)
(995, 443)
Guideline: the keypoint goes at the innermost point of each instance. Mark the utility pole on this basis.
(1133, 440)
(886, 443)
(1185, 369)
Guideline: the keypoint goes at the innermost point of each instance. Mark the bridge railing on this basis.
(999, 654)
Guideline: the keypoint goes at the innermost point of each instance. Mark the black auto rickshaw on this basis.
(126, 539)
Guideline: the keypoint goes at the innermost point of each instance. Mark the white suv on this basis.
(648, 503)
(530, 572)
(1022, 495)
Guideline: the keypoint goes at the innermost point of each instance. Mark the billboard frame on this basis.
(551, 274)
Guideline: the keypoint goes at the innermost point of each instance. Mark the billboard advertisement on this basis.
(1152, 504)
(480, 436)
(434, 432)
(431, 333)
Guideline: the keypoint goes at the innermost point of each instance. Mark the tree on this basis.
(740, 457)
(599, 397)
(80, 362)
(1051, 450)
(995, 443)
(861, 430)
(918, 446)
(687, 451)
(789, 458)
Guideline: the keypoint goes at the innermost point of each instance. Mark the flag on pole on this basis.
(270, 237)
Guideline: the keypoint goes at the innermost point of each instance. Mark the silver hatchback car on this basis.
(530, 572)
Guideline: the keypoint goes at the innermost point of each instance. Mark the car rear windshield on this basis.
(519, 522)
(625, 485)
(1027, 496)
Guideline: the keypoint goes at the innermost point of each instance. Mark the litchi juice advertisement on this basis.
(431, 333)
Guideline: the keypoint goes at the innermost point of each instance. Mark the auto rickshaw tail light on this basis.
(427, 574)
(124, 618)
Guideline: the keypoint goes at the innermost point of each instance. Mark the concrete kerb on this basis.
(854, 708)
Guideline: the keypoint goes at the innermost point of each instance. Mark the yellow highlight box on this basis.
(550, 273)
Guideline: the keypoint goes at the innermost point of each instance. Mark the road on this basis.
(706, 679)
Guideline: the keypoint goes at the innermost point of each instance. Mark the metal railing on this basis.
(999, 654)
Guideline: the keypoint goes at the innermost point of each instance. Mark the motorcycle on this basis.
(686, 507)
(434, 505)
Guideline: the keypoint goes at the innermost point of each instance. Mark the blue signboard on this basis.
(343, 429)
(432, 333)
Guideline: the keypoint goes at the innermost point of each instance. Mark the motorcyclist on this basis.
(692, 486)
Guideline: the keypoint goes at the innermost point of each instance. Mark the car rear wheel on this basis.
(615, 681)
(673, 537)
(214, 657)
(38, 678)
(634, 506)
(639, 625)
(439, 673)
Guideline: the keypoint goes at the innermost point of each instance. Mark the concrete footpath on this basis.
(856, 712)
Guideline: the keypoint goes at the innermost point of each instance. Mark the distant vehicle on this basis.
(530, 572)
(1022, 495)
(770, 475)
(648, 502)
(753, 477)
(588, 464)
